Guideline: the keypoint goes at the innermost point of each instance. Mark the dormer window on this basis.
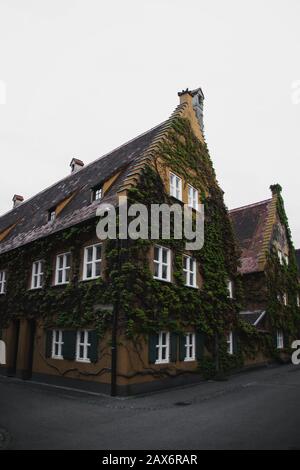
(51, 215)
(97, 193)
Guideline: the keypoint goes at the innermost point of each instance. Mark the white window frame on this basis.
(229, 340)
(280, 257)
(230, 288)
(280, 340)
(94, 262)
(298, 300)
(163, 346)
(3, 281)
(86, 345)
(52, 215)
(191, 269)
(286, 259)
(97, 194)
(39, 275)
(285, 299)
(193, 197)
(190, 345)
(160, 263)
(175, 186)
(64, 268)
(57, 340)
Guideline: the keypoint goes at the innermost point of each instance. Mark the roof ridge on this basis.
(250, 205)
(26, 201)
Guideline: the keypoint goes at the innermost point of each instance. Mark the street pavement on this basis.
(253, 410)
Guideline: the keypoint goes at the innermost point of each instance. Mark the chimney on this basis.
(196, 99)
(17, 200)
(76, 165)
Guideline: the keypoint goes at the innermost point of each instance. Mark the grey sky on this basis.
(84, 76)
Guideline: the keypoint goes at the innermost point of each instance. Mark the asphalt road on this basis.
(254, 410)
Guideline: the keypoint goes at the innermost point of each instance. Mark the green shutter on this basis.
(69, 346)
(199, 345)
(235, 340)
(49, 336)
(173, 352)
(93, 349)
(153, 341)
(286, 340)
(182, 339)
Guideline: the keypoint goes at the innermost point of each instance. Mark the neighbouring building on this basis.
(127, 316)
(269, 276)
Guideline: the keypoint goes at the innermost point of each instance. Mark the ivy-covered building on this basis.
(269, 275)
(127, 316)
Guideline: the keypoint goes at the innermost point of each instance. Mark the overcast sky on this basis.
(84, 76)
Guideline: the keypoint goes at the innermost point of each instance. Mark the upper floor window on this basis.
(189, 271)
(229, 340)
(280, 343)
(97, 193)
(37, 277)
(52, 215)
(57, 344)
(298, 300)
(163, 348)
(2, 282)
(230, 288)
(175, 186)
(92, 261)
(193, 197)
(286, 259)
(63, 267)
(285, 299)
(190, 347)
(82, 346)
(162, 263)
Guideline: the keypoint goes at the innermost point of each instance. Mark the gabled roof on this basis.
(250, 224)
(29, 221)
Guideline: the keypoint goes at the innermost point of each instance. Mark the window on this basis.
(229, 341)
(37, 277)
(298, 300)
(193, 197)
(63, 266)
(57, 344)
(92, 262)
(286, 259)
(189, 271)
(175, 186)
(2, 282)
(97, 194)
(82, 346)
(51, 215)
(163, 348)
(285, 299)
(190, 347)
(230, 288)
(162, 263)
(279, 340)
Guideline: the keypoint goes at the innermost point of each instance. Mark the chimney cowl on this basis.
(76, 165)
(17, 200)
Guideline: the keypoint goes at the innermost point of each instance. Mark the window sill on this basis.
(83, 361)
(189, 360)
(161, 362)
(193, 287)
(91, 278)
(57, 358)
(61, 284)
(163, 280)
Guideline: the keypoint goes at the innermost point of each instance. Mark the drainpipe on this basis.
(114, 336)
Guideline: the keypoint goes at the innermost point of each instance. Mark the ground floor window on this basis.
(280, 340)
(229, 340)
(190, 347)
(82, 346)
(163, 348)
(57, 344)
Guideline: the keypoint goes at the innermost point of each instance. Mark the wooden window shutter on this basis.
(199, 345)
(182, 347)
(235, 340)
(153, 341)
(49, 337)
(173, 347)
(69, 346)
(93, 349)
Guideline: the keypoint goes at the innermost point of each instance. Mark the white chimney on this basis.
(17, 200)
(76, 165)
